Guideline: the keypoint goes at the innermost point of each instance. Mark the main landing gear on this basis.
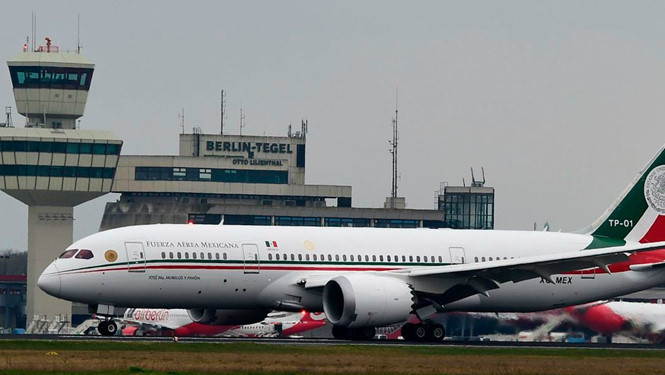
(107, 328)
(431, 332)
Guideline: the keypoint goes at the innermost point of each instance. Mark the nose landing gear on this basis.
(107, 328)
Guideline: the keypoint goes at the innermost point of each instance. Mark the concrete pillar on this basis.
(50, 231)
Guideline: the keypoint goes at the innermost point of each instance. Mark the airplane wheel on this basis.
(407, 332)
(435, 332)
(107, 328)
(365, 333)
(420, 332)
(341, 333)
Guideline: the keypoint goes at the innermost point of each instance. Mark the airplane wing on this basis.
(445, 284)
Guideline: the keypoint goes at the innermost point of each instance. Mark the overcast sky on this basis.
(561, 102)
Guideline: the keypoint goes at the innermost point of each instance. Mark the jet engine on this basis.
(365, 300)
(218, 317)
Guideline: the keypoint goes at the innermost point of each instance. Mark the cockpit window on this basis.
(68, 254)
(84, 254)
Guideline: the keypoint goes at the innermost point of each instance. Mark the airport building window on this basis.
(249, 176)
(468, 210)
(345, 222)
(60, 147)
(395, 223)
(245, 220)
(298, 221)
(56, 171)
(50, 77)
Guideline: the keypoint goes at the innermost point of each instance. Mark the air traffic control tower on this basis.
(50, 165)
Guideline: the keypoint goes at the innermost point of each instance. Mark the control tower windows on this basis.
(60, 147)
(47, 77)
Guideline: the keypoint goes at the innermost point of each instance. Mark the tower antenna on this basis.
(181, 116)
(393, 151)
(34, 31)
(242, 120)
(78, 33)
(221, 120)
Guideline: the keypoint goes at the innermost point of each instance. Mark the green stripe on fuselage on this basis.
(603, 242)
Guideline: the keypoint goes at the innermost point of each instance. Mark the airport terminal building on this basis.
(260, 180)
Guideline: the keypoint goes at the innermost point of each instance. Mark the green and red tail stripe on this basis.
(638, 215)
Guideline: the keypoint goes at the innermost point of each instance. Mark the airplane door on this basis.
(457, 255)
(251, 258)
(135, 256)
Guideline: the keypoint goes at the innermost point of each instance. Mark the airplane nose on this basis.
(49, 280)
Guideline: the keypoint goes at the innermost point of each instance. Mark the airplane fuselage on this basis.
(236, 267)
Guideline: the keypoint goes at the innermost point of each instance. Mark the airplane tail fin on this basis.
(639, 213)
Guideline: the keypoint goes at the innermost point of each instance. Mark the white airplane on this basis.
(364, 278)
(176, 322)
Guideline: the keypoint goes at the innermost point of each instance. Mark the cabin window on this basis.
(269, 256)
(490, 259)
(475, 259)
(203, 255)
(381, 258)
(410, 258)
(277, 256)
(209, 255)
(217, 256)
(170, 254)
(388, 258)
(193, 255)
(483, 259)
(314, 256)
(85, 254)
(366, 258)
(186, 255)
(373, 258)
(360, 258)
(179, 255)
(337, 257)
(396, 259)
(299, 256)
(68, 254)
(306, 256)
(351, 256)
(163, 255)
(293, 257)
(344, 257)
(404, 258)
(425, 259)
(329, 257)
(224, 256)
(441, 259)
(418, 258)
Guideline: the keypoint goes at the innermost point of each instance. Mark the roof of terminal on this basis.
(69, 59)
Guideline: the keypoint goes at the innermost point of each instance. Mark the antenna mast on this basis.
(242, 120)
(221, 121)
(393, 151)
(181, 116)
(78, 34)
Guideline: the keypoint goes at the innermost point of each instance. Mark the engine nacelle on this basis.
(365, 300)
(217, 317)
